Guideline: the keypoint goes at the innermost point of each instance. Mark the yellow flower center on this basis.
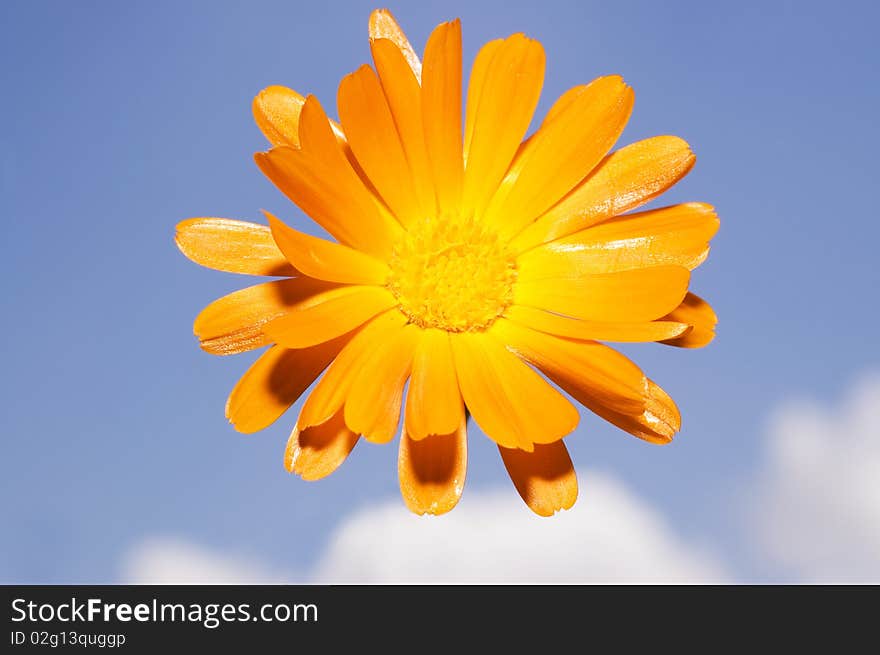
(452, 274)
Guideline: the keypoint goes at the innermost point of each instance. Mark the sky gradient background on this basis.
(120, 119)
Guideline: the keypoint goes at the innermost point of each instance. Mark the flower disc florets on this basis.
(454, 275)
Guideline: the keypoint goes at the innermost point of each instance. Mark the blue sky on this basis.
(120, 119)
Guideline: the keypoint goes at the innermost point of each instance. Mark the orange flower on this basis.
(464, 262)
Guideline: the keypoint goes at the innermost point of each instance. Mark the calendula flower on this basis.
(466, 262)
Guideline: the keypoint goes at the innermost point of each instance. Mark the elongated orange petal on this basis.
(232, 324)
(274, 382)
(328, 315)
(563, 103)
(562, 152)
(626, 179)
(563, 326)
(601, 379)
(584, 369)
(433, 401)
(441, 112)
(657, 424)
(325, 147)
(232, 246)
(524, 151)
(315, 452)
(321, 181)
(404, 96)
(506, 101)
(330, 392)
(642, 294)
(697, 313)
(372, 407)
(374, 139)
(309, 183)
(544, 478)
(677, 235)
(475, 88)
(432, 470)
(384, 26)
(512, 404)
(326, 260)
(276, 111)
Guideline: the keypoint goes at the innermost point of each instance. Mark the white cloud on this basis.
(815, 506)
(175, 561)
(611, 536)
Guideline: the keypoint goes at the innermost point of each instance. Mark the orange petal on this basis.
(475, 87)
(321, 181)
(526, 148)
(564, 102)
(232, 324)
(512, 403)
(274, 382)
(232, 246)
(276, 110)
(324, 146)
(562, 152)
(330, 392)
(441, 112)
(544, 478)
(677, 235)
(433, 401)
(326, 260)
(623, 181)
(584, 369)
(504, 106)
(601, 379)
(314, 453)
(657, 424)
(642, 294)
(432, 470)
(697, 313)
(328, 315)
(404, 96)
(563, 326)
(310, 184)
(384, 26)
(374, 139)
(372, 407)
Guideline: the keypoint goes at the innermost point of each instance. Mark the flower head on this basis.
(469, 268)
